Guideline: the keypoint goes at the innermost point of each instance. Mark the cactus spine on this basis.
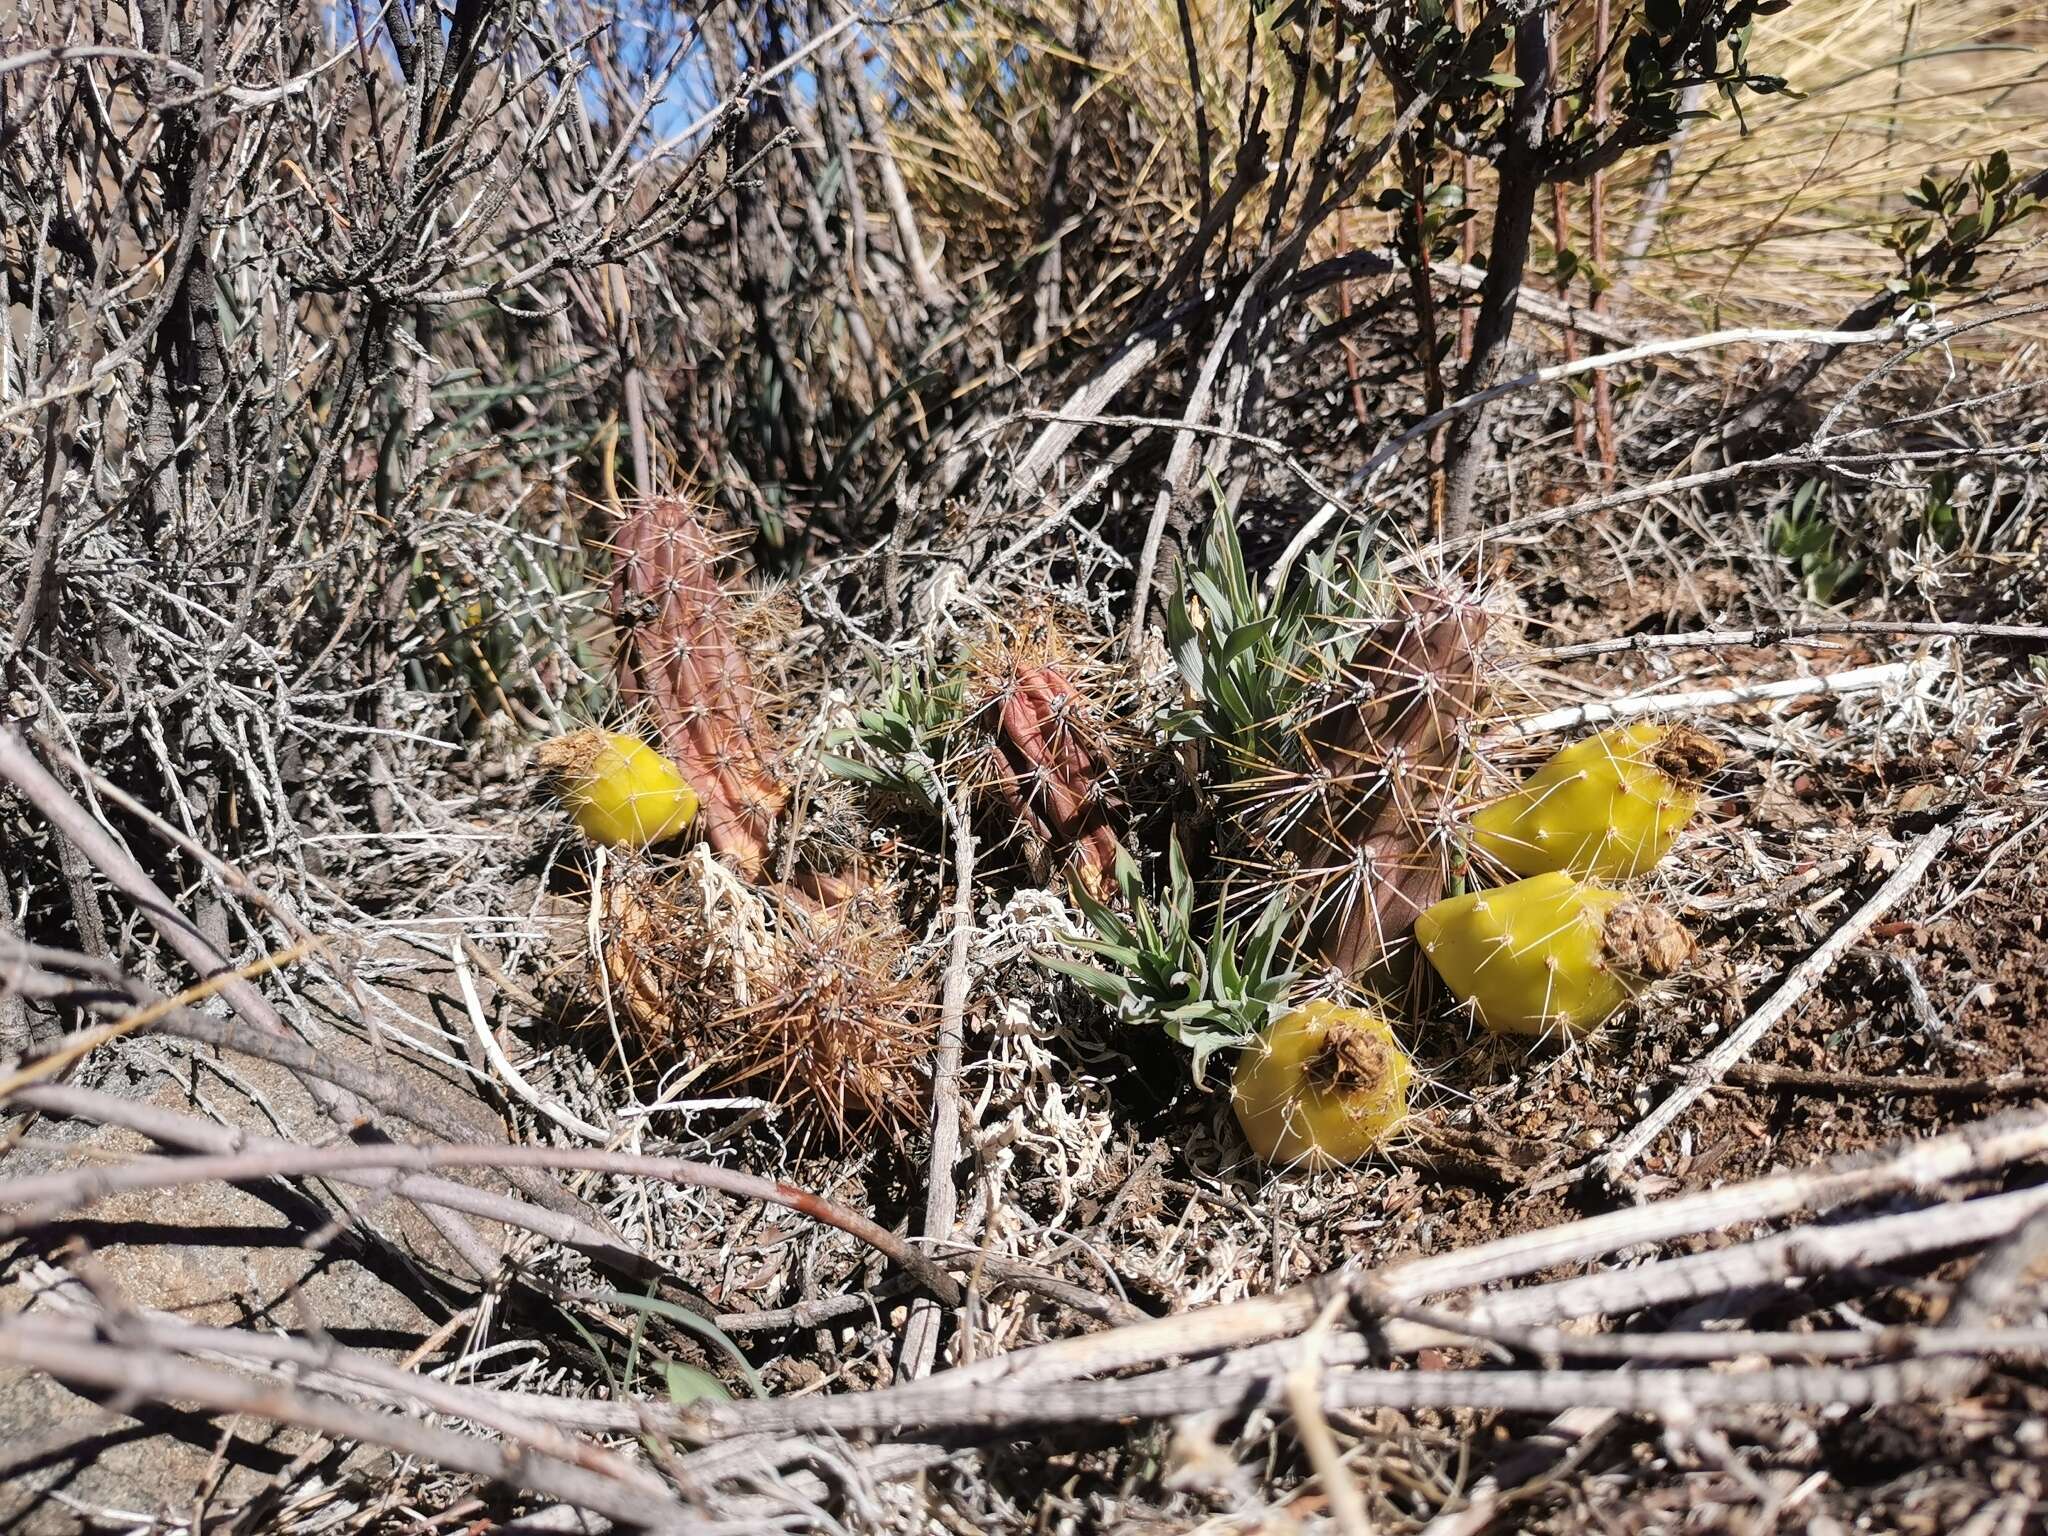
(1362, 820)
(679, 661)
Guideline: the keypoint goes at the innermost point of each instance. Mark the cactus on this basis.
(1363, 815)
(1047, 756)
(1550, 953)
(622, 792)
(843, 1036)
(810, 1003)
(678, 659)
(1322, 1087)
(1607, 807)
(1051, 774)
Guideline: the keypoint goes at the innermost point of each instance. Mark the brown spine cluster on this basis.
(1382, 763)
(678, 659)
(842, 1039)
(1050, 773)
(813, 1004)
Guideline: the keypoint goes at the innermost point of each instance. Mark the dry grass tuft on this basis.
(1771, 216)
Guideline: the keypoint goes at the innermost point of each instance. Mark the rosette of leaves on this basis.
(903, 738)
(1334, 717)
(1210, 990)
(1247, 659)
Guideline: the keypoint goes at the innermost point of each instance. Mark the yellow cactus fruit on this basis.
(1551, 953)
(1321, 1087)
(1607, 807)
(622, 792)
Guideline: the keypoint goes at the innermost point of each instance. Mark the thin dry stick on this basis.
(87, 1041)
(1560, 242)
(1711, 1346)
(1596, 240)
(2006, 1085)
(1520, 1316)
(1707, 1344)
(333, 1369)
(1778, 634)
(1555, 373)
(25, 1202)
(1222, 1385)
(1990, 1143)
(1800, 459)
(1516, 1316)
(502, 1064)
(362, 1084)
(1854, 680)
(1180, 465)
(135, 1375)
(1270, 446)
(1569, 1437)
(175, 1129)
(1534, 304)
(1809, 1249)
(18, 765)
(191, 1133)
(1304, 1404)
(921, 1336)
(230, 1034)
(1237, 1326)
(1085, 402)
(1706, 1073)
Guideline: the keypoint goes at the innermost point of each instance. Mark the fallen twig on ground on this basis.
(921, 1335)
(1709, 1070)
(2007, 1085)
(133, 1374)
(1645, 706)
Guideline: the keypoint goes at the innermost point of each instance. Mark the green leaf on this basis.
(1103, 984)
(1504, 80)
(848, 768)
(687, 1384)
(1204, 1043)
(696, 1323)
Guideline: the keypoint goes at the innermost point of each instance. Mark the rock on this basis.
(267, 1256)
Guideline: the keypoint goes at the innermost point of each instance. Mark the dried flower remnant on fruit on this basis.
(1550, 954)
(1642, 939)
(1322, 1086)
(622, 792)
(679, 659)
(1380, 765)
(1608, 807)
